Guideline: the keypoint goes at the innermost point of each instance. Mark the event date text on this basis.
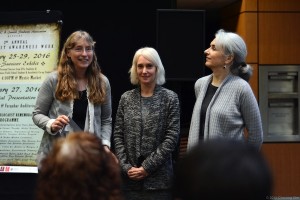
(18, 89)
(26, 56)
(27, 89)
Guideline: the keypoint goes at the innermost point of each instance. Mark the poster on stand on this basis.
(28, 53)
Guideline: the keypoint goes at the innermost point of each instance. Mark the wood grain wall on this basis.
(271, 29)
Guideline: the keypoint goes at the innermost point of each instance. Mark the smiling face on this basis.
(81, 54)
(146, 71)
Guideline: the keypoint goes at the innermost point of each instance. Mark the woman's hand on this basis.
(59, 123)
(137, 173)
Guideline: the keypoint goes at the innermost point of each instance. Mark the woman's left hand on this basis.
(137, 173)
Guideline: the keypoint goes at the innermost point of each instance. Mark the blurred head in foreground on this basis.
(78, 167)
(223, 169)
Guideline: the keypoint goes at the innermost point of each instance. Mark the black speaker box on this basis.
(181, 42)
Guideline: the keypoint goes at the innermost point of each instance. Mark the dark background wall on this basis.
(119, 27)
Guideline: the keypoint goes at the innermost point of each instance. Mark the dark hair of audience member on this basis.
(223, 169)
(78, 168)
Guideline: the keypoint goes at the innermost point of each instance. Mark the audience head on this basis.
(78, 167)
(223, 169)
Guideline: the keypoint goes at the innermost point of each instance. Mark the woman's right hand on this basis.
(137, 173)
(59, 123)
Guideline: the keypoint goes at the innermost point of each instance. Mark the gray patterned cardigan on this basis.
(232, 109)
(155, 140)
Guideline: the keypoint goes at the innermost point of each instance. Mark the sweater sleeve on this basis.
(43, 103)
(251, 114)
(106, 120)
(118, 137)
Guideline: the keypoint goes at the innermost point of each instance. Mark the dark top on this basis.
(79, 109)
(211, 90)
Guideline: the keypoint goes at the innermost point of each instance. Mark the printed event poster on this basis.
(27, 54)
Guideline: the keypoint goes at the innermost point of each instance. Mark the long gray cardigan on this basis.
(48, 108)
(232, 108)
(155, 139)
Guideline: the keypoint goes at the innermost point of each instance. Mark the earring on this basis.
(224, 66)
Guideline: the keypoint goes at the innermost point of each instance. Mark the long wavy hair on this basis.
(67, 87)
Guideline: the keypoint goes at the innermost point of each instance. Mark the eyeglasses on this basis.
(82, 49)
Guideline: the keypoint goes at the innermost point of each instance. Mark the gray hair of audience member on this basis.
(233, 44)
(223, 169)
(151, 55)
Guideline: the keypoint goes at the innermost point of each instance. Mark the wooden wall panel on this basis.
(275, 38)
(278, 5)
(253, 80)
(246, 26)
(249, 5)
(284, 161)
(239, 7)
(279, 38)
